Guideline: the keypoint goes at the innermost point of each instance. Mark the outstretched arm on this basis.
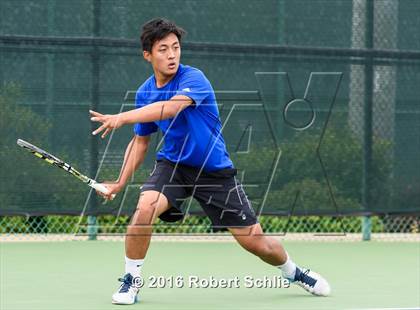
(150, 113)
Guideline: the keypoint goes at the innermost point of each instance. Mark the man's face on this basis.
(165, 55)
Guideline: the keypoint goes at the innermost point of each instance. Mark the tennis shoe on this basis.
(311, 282)
(127, 292)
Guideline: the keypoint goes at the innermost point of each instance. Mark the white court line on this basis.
(418, 308)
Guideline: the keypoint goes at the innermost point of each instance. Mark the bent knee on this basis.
(145, 214)
(259, 247)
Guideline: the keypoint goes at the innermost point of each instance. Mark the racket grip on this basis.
(101, 188)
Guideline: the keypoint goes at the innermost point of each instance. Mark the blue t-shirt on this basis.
(194, 137)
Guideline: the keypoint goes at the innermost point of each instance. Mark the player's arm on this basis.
(134, 156)
(160, 110)
(156, 111)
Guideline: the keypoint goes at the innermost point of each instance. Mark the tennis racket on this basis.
(51, 159)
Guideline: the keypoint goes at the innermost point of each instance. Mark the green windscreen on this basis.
(319, 103)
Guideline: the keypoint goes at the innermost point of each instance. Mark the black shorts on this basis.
(219, 194)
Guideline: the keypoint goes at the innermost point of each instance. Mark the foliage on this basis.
(28, 185)
(299, 185)
(108, 224)
(317, 174)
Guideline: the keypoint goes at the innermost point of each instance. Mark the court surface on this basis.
(83, 275)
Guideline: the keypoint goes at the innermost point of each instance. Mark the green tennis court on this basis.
(83, 275)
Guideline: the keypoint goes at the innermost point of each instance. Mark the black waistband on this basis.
(222, 173)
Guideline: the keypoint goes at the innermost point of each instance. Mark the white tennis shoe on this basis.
(311, 282)
(127, 292)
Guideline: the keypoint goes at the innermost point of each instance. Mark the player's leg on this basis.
(151, 204)
(271, 251)
(253, 240)
(162, 196)
(227, 206)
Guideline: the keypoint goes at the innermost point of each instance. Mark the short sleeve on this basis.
(194, 85)
(143, 129)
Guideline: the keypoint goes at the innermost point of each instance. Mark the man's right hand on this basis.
(113, 189)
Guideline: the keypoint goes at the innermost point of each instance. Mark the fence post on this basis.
(366, 227)
(367, 138)
(92, 227)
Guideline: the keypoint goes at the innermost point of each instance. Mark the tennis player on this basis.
(180, 101)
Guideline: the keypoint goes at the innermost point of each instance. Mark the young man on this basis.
(180, 101)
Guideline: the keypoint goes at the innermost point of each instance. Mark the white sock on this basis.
(133, 266)
(288, 268)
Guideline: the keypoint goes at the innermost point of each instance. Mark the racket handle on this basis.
(101, 188)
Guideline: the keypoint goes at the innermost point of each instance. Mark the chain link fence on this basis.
(313, 228)
(330, 110)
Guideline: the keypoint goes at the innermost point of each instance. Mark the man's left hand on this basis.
(109, 122)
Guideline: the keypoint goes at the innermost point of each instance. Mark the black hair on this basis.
(156, 29)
